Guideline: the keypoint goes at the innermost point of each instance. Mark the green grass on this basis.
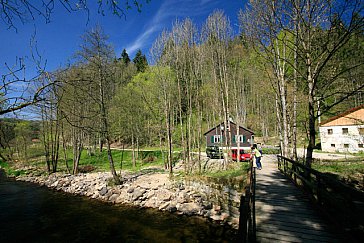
(237, 171)
(10, 171)
(122, 160)
(99, 160)
(4, 165)
(337, 167)
(271, 150)
(349, 172)
(235, 176)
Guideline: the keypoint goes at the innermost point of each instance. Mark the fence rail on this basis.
(343, 204)
(247, 226)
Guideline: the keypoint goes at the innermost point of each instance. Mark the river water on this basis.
(29, 213)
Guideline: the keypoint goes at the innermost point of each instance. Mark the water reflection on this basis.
(32, 214)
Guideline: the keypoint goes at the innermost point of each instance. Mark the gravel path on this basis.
(328, 156)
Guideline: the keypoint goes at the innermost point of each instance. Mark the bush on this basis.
(86, 169)
(271, 150)
(149, 159)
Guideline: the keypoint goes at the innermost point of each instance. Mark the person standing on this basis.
(258, 156)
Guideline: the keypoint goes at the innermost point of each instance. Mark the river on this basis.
(29, 213)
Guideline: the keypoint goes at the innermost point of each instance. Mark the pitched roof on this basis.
(353, 116)
(230, 122)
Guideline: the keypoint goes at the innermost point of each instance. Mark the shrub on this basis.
(86, 168)
(149, 159)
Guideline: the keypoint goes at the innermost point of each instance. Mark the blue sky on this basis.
(58, 40)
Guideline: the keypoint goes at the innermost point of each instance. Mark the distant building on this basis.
(344, 133)
(217, 136)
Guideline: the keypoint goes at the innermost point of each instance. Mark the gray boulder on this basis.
(190, 208)
(103, 191)
(137, 193)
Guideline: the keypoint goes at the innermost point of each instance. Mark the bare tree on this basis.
(261, 25)
(217, 33)
(12, 11)
(50, 114)
(323, 29)
(305, 36)
(98, 55)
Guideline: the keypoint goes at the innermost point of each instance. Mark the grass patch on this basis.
(275, 150)
(351, 173)
(98, 161)
(10, 171)
(339, 167)
(234, 172)
(123, 160)
(234, 177)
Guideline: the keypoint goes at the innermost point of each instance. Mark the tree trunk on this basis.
(133, 150)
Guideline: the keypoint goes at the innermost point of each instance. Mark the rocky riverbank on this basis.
(153, 190)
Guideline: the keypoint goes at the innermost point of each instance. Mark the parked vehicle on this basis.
(244, 155)
(214, 152)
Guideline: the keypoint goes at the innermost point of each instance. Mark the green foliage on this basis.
(125, 57)
(4, 165)
(140, 61)
(10, 171)
(16, 136)
(275, 150)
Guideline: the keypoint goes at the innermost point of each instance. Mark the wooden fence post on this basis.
(242, 232)
(318, 189)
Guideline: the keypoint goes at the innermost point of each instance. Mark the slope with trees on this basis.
(290, 57)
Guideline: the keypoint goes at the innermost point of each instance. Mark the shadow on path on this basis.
(284, 213)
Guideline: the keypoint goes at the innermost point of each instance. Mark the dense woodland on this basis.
(294, 62)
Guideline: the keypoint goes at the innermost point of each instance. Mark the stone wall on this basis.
(217, 201)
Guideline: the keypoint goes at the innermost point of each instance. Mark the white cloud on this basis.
(141, 40)
(154, 26)
(168, 12)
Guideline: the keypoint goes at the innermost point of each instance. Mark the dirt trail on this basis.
(329, 156)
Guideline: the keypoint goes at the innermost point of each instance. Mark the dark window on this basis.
(332, 145)
(217, 139)
(240, 138)
(345, 130)
(329, 131)
(346, 145)
(361, 131)
(360, 145)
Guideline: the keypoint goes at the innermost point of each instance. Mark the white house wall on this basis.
(337, 138)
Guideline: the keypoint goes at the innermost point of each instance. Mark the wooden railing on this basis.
(343, 204)
(247, 227)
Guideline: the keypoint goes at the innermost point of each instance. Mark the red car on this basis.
(244, 155)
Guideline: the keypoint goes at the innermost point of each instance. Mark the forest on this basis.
(293, 64)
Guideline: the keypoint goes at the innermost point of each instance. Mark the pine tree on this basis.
(125, 57)
(140, 61)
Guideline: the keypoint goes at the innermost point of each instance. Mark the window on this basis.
(360, 145)
(345, 130)
(217, 138)
(329, 131)
(240, 138)
(361, 130)
(332, 145)
(346, 145)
